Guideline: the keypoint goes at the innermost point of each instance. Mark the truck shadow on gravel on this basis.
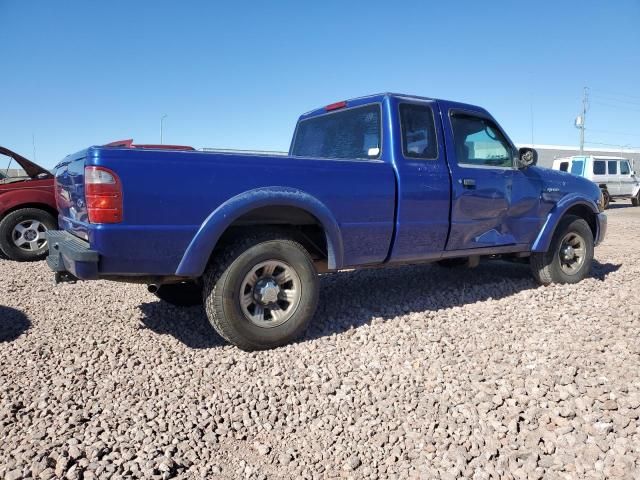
(354, 298)
(13, 323)
(188, 325)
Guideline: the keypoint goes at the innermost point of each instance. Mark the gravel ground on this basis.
(414, 372)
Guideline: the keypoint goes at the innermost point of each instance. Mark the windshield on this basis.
(353, 133)
(577, 167)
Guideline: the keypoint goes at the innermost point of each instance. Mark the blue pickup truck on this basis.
(385, 179)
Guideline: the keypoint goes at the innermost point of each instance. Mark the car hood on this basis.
(33, 170)
(565, 183)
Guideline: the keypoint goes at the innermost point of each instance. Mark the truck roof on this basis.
(379, 97)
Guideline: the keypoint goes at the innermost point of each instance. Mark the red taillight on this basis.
(103, 192)
(335, 106)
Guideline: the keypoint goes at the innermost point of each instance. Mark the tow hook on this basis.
(63, 277)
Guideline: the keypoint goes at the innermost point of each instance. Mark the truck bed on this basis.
(168, 196)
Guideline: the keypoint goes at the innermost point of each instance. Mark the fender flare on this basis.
(543, 240)
(195, 258)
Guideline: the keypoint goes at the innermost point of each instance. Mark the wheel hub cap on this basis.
(572, 253)
(270, 293)
(29, 235)
(568, 253)
(266, 291)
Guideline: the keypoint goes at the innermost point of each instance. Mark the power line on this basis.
(616, 100)
(612, 133)
(609, 93)
(622, 107)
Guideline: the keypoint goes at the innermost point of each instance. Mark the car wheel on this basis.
(606, 199)
(183, 294)
(635, 201)
(23, 234)
(570, 253)
(261, 292)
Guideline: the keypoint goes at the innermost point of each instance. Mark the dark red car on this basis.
(27, 207)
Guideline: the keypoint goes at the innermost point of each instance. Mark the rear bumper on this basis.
(70, 254)
(602, 228)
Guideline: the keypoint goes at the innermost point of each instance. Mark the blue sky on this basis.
(237, 74)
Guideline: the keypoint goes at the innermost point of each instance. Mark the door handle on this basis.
(468, 182)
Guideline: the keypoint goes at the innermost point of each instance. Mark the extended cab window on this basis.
(418, 131)
(613, 167)
(624, 168)
(480, 143)
(564, 166)
(599, 167)
(353, 133)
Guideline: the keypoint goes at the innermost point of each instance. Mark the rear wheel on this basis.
(23, 234)
(261, 292)
(570, 253)
(184, 294)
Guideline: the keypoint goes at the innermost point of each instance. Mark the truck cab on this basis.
(385, 179)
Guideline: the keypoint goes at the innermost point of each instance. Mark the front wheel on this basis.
(261, 292)
(23, 234)
(635, 201)
(570, 253)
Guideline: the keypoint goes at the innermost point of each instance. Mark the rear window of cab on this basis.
(350, 134)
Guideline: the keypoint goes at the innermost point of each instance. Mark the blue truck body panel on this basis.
(391, 209)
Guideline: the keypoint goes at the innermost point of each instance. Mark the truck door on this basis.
(481, 160)
(628, 181)
(423, 191)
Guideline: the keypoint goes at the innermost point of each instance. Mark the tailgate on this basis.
(70, 198)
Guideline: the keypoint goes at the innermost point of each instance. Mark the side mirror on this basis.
(527, 157)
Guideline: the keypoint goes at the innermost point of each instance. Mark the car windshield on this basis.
(577, 167)
(353, 133)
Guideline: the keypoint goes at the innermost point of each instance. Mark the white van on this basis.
(614, 175)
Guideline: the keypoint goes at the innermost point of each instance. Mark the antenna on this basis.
(33, 141)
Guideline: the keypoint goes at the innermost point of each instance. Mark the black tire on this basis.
(223, 284)
(546, 267)
(453, 262)
(184, 294)
(635, 201)
(606, 199)
(23, 216)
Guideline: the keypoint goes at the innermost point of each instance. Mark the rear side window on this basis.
(577, 167)
(564, 166)
(599, 167)
(418, 131)
(613, 167)
(346, 134)
(624, 168)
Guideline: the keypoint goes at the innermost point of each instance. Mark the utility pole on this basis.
(580, 120)
(162, 126)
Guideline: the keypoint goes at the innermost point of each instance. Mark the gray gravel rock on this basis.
(414, 372)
